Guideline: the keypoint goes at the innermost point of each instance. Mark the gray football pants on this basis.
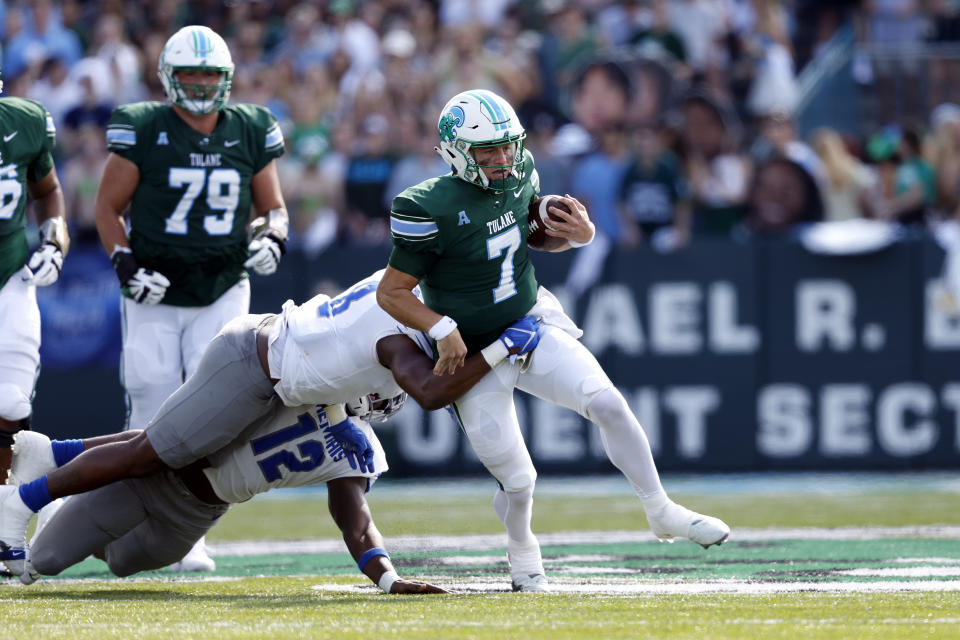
(228, 394)
(140, 524)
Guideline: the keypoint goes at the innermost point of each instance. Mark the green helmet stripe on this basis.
(493, 113)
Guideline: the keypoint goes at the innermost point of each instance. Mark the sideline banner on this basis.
(735, 357)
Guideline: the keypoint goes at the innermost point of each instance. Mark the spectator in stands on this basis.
(783, 195)
(366, 182)
(307, 41)
(907, 185)
(719, 174)
(653, 37)
(54, 88)
(568, 40)
(81, 180)
(42, 36)
(778, 136)
(943, 154)
(88, 110)
(847, 183)
(597, 177)
(654, 195)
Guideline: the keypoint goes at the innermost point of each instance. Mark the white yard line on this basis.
(498, 541)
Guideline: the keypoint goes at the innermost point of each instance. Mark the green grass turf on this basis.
(451, 515)
(287, 607)
(279, 608)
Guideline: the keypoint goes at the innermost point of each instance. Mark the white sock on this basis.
(516, 516)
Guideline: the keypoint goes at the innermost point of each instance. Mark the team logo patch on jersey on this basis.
(162, 138)
(450, 123)
(463, 219)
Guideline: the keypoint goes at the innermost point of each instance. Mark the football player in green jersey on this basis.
(462, 238)
(190, 172)
(26, 170)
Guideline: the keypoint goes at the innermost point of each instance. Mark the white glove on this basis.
(147, 286)
(45, 263)
(265, 255)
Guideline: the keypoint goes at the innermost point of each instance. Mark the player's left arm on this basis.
(349, 508)
(50, 210)
(269, 227)
(414, 371)
(574, 226)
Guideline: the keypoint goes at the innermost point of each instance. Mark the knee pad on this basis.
(515, 474)
(607, 407)
(14, 403)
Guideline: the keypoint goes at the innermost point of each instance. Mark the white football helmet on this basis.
(480, 118)
(374, 408)
(196, 48)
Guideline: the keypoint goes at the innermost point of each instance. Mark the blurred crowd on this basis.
(669, 119)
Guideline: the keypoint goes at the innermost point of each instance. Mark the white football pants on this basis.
(19, 346)
(563, 371)
(162, 346)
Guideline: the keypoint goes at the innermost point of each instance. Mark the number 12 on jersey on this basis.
(223, 194)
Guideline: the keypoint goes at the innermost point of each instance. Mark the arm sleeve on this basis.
(416, 237)
(272, 145)
(42, 163)
(123, 138)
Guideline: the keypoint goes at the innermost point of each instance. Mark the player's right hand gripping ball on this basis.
(539, 219)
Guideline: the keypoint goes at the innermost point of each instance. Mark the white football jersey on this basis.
(292, 450)
(324, 351)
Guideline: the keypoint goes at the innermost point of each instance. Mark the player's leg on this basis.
(563, 371)
(199, 330)
(228, 394)
(488, 417)
(84, 525)
(204, 323)
(20, 358)
(176, 520)
(151, 367)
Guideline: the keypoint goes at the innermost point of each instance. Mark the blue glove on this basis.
(522, 336)
(354, 443)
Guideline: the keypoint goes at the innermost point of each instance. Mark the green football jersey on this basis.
(468, 247)
(26, 139)
(189, 213)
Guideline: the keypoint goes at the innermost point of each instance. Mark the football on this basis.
(539, 220)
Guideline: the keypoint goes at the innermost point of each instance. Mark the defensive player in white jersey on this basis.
(187, 174)
(325, 351)
(139, 524)
(26, 173)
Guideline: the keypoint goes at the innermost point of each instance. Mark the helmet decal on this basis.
(450, 123)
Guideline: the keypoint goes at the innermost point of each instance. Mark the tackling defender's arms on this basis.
(348, 506)
(395, 296)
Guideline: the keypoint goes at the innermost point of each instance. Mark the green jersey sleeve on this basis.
(42, 163)
(268, 139)
(416, 237)
(126, 132)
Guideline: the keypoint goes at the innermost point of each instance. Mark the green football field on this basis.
(845, 556)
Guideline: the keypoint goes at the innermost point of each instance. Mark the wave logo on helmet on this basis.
(449, 124)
